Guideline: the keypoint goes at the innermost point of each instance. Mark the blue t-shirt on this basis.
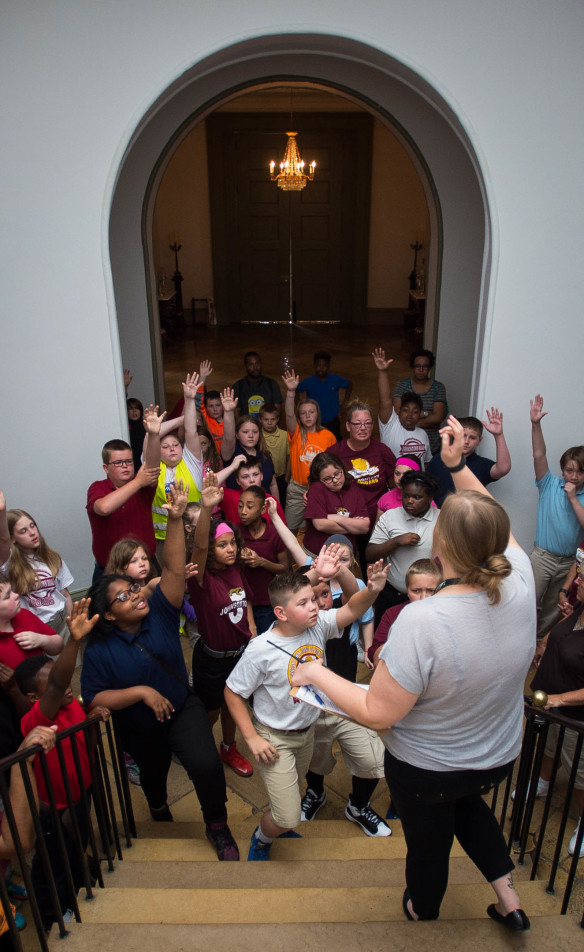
(325, 392)
(558, 530)
(117, 663)
(480, 466)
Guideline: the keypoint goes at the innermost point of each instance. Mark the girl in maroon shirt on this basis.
(335, 503)
(222, 602)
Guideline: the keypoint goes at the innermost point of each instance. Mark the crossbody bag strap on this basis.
(167, 668)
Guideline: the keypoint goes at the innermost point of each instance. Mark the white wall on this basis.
(76, 81)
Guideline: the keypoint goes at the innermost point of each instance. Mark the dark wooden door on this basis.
(268, 242)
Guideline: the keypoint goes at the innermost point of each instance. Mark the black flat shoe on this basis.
(405, 901)
(515, 921)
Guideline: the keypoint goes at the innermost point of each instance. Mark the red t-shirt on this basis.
(221, 608)
(323, 502)
(372, 469)
(12, 654)
(268, 547)
(382, 630)
(66, 717)
(133, 519)
(229, 506)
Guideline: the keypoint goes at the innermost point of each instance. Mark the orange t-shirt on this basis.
(302, 456)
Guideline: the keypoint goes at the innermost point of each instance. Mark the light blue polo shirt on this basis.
(558, 530)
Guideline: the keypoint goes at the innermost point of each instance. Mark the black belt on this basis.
(222, 654)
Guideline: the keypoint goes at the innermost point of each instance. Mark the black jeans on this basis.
(50, 836)
(435, 807)
(188, 735)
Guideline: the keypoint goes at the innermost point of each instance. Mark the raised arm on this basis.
(494, 426)
(360, 602)
(4, 533)
(228, 442)
(211, 497)
(172, 579)
(536, 415)
(61, 672)
(224, 474)
(287, 536)
(452, 436)
(192, 441)
(383, 385)
(152, 424)
(146, 476)
(291, 380)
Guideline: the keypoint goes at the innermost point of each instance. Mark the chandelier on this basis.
(292, 176)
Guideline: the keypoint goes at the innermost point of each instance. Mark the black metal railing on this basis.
(520, 836)
(97, 828)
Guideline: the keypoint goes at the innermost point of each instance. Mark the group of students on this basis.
(199, 518)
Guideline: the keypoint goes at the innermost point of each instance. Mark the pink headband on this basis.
(402, 461)
(221, 529)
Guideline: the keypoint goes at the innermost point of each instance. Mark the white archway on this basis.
(398, 96)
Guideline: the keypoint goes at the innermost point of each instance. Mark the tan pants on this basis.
(285, 778)
(295, 505)
(362, 749)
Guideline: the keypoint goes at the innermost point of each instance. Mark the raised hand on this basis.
(536, 412)
(328, 561)
(495, 424)
(379, 359)
(179, 497)
(291, 380)
(2, 502)
(376, 576)
(228, 400)
(128, 377)
(212, 493)
(153, 420)
(78, 622)
(271, 507)
(190, 386)
(205, 370)
(452, 436)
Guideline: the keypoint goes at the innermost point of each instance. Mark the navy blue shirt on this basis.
(480, 466)
(267, 468)
(325, 392)
(117, 663)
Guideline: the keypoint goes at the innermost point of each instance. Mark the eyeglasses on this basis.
(362, 426)
(332, 479)
(134, 588)
(121, 462)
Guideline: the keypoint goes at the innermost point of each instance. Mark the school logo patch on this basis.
(363, 472)
(238, 605)
(304, 653)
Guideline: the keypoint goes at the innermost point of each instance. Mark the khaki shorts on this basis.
(362, 749)
(285, 778)
(567, 754)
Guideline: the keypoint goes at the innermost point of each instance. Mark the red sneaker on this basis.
(231, 756)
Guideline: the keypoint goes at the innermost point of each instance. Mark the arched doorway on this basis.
(460, 258)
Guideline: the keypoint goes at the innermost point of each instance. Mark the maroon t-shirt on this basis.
(12, 654)
(382, 630)
(323, 502)
(372, 469)
(221, 608)
(268, 547)
(133, 519)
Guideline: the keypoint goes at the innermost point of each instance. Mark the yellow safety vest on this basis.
(159, 515)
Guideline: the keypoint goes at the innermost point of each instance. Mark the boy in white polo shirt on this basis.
(281, 734)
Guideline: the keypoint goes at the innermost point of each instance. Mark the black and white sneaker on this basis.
(311, 804)
(368, 820)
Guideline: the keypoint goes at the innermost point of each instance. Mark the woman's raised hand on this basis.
(228, 401)
(379, 359)
(452, 436)
(179, 497)
(153, 420)
(291, 380)
(190, 386)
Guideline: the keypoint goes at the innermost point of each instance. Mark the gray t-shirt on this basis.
(266, 672)
(467, 661)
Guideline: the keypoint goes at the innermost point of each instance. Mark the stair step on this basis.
(244, 827)
(291, 905)
(561, 933)
(205, 875)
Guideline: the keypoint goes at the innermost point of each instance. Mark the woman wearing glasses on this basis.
(134, 659)
(335, 504)
(432, 392)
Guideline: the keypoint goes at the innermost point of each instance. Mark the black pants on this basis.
(435, 807)
(189, 736)
(50, 837)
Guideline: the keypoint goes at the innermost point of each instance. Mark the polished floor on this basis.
(284, 346)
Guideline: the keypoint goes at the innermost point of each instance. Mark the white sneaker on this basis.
(360, 653)
(572, 843)
(541, 791)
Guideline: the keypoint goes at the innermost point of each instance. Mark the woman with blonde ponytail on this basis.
(451, 689)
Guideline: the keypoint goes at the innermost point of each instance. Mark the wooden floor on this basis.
(284, 346)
